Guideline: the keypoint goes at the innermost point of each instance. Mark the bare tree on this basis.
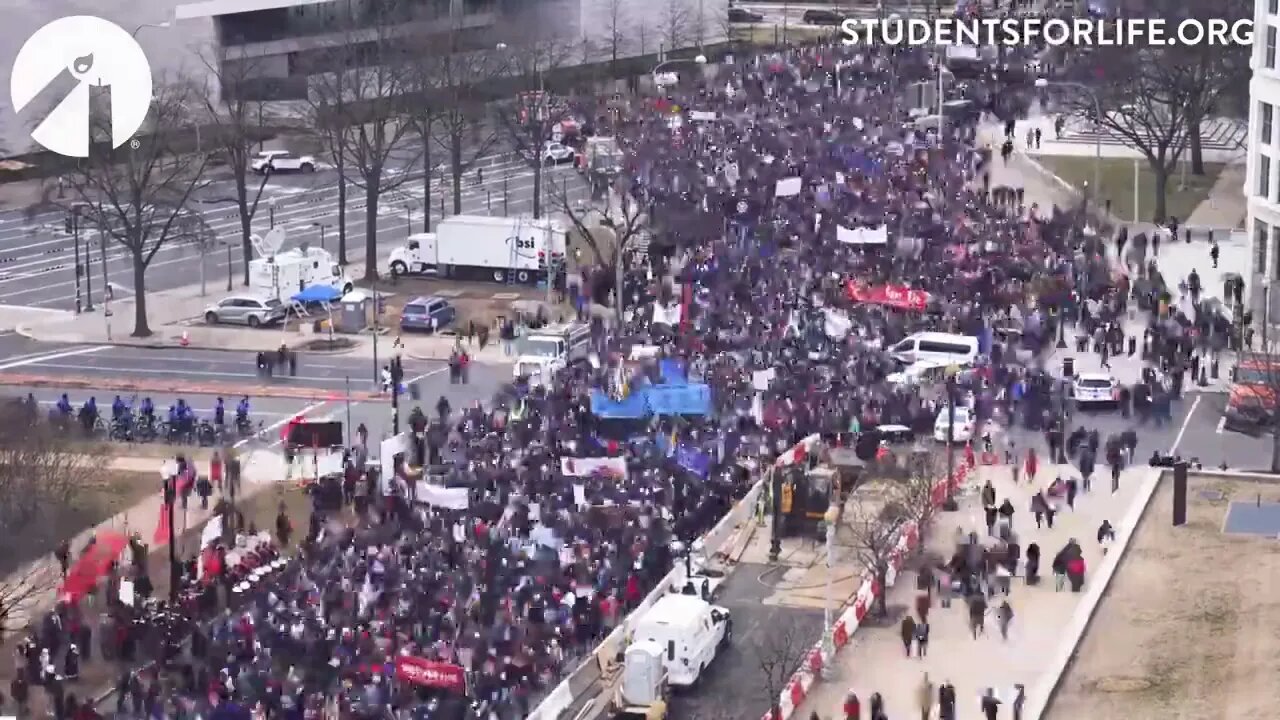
(778, 652)
(1211, 72)
(609, 227)
(372, 127)
(135, 196)
(330, 110)
(915, 492)
(675, 23)
(235, 123)
(617, 27)
(875, 522)
(462, 128)
(422, 110)
(527, 122)
(42, 472)
(1144, 100)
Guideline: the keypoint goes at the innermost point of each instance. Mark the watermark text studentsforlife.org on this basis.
(1052, 31)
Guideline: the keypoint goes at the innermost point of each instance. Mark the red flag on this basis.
(162, 526)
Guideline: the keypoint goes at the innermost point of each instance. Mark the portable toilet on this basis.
(353, 315)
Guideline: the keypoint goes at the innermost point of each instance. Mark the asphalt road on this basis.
(1194, 432)
(37, 258)
(737, 684)
(200, 375)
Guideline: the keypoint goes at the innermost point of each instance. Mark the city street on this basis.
(37, 258)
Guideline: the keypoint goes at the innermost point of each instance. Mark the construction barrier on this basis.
(810, 670)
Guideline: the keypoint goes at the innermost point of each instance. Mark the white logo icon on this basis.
(94, 52)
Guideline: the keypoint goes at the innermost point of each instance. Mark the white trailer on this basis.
(285, 274)
(479, 247)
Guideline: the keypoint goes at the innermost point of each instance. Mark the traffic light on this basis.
(69, 225)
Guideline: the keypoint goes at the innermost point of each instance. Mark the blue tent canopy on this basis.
(317, 294)
(632, 407)
(672, 372)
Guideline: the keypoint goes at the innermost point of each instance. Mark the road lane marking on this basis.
(1185, 423)
(39, 358)
(1222, 425)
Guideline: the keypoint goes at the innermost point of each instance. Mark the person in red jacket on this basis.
(852, 708)
(1032, 464)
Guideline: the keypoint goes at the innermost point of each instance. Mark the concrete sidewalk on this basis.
(36, 583)
(876, 662)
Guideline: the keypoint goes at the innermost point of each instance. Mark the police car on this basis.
(1095, 389)
(963, 428)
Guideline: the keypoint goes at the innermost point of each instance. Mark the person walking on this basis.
(1004, 615)
(908, 633)
(924, 696)
(947, 701)
(990, 704)
(922, 639)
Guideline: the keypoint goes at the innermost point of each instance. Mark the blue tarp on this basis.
(693, 460)
(679, 399)
(632, 407)
(317, 294)
(672, 372)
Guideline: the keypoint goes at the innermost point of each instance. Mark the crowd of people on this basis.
(797, 236)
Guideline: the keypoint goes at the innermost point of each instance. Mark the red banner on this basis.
(894, 296)
(429, 673)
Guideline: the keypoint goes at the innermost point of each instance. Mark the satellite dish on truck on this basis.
(269, 245)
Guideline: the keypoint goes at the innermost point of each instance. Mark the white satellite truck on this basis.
(673, 644)
(279, 275)
(479, 247)
(543, 352)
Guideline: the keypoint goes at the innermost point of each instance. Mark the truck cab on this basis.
(415, 257)
(690, 632)
(544, 352)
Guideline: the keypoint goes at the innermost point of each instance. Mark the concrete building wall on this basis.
(1262, 179)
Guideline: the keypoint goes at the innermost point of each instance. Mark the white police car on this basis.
(1095, 389)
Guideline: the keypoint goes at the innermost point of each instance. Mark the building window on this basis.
(1264, 176)
(1275, 252)
(1260, 233)
(1273, 7)
(1271, 47)
(1266, 115)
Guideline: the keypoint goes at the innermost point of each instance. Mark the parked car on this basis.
(1090, 389)
(743, 15)
(822, 17)
(554, 153)
(431, 314)
(282, 161)
(245, 310)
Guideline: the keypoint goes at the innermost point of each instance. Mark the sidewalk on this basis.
(876, 662)
(34, 585)
(175, 314)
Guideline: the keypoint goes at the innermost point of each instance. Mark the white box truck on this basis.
(690, 632)
(544, 352)
(479, 247)
(285, 274)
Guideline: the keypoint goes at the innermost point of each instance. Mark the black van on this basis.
(822, 17)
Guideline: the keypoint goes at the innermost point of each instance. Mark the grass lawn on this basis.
(1117, 184)
(769, 35)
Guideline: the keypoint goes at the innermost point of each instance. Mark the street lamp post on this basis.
(828, 639)
(1097, 120)
(271, 210)
(323, 227)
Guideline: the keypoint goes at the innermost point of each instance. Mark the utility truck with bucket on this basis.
(479, 247)
(544, 352)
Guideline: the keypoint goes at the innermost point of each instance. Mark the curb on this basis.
(167, 344)
(136, 386)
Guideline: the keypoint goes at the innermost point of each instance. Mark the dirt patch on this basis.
(96, 499)
(326, 345)
(1185, 630)
(485, 304)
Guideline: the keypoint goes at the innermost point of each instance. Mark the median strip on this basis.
(179, 387)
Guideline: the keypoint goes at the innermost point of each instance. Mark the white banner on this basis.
(392, 446)
(669, 315)
(438, 496)
(787, 187)
(212, 532)
(702, 116)
(586, 467)
(962, 52)
(760, 379)
(837, 325)
(862, 235)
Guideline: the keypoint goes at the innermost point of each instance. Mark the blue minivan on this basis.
(427, 313)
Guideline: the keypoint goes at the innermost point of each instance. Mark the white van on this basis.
(691, 631)
(938, 347)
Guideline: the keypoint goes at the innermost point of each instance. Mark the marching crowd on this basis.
(797, 237)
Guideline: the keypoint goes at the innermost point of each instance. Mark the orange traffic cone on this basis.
(184, 340)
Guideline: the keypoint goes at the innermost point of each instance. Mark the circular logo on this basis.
(743, 207)
(91, 53)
